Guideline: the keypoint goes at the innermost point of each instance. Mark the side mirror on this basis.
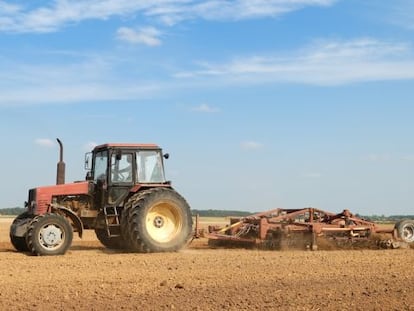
(166, 156)
(89, 176)
(88, 161)
(118, 155)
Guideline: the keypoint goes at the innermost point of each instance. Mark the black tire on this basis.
(156, 220)
(18, 242)
(49, 235)
(109, 242)
(405, 230)
(125, 221)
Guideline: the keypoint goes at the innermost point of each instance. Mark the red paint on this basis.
(44, 195)
(127, 145)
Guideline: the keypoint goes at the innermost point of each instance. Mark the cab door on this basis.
(121, 176)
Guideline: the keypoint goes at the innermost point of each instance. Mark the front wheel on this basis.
(157, 220)
(19, 242)
(49, 235)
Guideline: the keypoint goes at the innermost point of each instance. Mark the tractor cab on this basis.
(116, 168)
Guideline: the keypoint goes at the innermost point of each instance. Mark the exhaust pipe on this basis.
(60, 173)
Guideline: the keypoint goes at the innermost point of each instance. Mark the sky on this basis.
(261, 104)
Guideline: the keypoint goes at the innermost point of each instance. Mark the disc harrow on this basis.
(303, 228)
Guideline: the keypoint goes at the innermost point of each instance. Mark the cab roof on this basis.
(127, 146)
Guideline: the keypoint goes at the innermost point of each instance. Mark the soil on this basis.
(90, 277)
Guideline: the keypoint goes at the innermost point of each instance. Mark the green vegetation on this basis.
(226, 213)
(219, 213)
(383, 218)
(12, 211)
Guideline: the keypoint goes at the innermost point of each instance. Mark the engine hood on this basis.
(43, 195)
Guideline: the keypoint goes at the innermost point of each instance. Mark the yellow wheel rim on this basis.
(164, 222)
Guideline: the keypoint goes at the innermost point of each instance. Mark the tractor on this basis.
(125, 198)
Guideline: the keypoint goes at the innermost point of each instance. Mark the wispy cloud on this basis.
(149, 36)
(81, 78)
(408, 157)
(400, 13)
(62, 94)
(107, 77)
(205, 108)
(376, 157)
(385, 157)
(323, 63)
(251, 145)
(178, 11)
(45, 142)
(6, 8)
(60, 13)
(89, 146)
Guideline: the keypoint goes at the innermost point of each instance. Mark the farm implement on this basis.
(305, 228)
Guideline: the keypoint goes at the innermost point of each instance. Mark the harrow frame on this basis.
(275, 227)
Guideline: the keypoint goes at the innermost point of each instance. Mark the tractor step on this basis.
(112, 221)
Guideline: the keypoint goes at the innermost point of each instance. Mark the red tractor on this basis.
(125, 199)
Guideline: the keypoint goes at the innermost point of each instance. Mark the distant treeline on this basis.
(12, 211)
(226, 213)
(219, 213)
(383, 218)
(203, 213)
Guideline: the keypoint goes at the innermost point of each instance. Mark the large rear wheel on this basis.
(109, 242)
(49, 234)
(157, 220)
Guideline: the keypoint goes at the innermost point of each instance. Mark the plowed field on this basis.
(90, 277)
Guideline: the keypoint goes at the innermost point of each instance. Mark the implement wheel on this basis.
(405, 230)
(49, 234)
(157, 220)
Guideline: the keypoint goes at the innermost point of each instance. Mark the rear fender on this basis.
(76, 221)
(19, 228)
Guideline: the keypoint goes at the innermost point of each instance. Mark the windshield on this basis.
(101, 160)
(150, 168)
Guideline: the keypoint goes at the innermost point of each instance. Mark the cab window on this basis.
(149, 166)
(100, 165)
(121, 168)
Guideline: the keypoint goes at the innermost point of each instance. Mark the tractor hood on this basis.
(41, 197)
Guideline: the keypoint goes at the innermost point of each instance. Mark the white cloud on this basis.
(45, 142)
(177, 11)
(61, 94)
(251, 145)
(89, 146)
(148, 35)
(400, 13)
(83, 78)
(59, 13)
(88, 78)
(6, 8)
(205, 108)
(323, 63)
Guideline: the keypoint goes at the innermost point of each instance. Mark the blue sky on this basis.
(261, 104)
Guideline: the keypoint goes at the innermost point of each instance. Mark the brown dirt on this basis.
(90, 277)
